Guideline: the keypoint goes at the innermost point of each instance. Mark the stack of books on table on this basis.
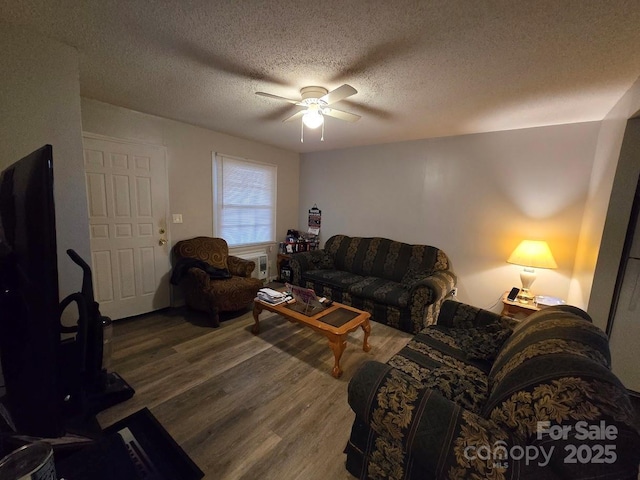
(272, 297)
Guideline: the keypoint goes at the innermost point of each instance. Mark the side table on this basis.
(514, 308)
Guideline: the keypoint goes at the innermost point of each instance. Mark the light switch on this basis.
(177, 218)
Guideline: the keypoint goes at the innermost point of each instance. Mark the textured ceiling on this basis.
(422, 68)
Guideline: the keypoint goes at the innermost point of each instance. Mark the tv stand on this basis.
(136, 447)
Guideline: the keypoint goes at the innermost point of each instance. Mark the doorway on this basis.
(624, 323)
(127, 198)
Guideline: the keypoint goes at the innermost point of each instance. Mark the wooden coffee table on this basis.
(334, 322)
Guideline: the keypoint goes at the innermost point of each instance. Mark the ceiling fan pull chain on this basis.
(322, 136)
(301, 132)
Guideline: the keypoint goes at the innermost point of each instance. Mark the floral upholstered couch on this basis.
(399, 284)
(480, 396)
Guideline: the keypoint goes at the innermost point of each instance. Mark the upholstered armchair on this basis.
(212, 280)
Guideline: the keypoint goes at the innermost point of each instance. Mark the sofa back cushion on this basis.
(384, 258)
(214, 251)
(551, 331)
(556, 342)
(553, 375)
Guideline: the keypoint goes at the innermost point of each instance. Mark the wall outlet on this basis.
(454, 292)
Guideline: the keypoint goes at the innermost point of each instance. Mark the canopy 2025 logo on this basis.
(594, 450)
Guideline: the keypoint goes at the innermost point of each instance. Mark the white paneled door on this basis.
(127, 196)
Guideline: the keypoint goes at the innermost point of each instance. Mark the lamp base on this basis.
(525, 296)
(527, 277)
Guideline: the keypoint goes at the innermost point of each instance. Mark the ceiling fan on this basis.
(315, 103)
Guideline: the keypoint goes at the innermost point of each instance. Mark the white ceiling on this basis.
(422, 69)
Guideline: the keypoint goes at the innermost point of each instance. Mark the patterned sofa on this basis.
(399, 284)
(480, 396)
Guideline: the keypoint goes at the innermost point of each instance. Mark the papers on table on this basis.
(273, 297)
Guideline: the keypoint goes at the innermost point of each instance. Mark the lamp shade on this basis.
(534, 254)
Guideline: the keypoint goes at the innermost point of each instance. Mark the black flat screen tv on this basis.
(29, 298)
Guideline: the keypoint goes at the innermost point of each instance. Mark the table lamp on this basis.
(531, 254)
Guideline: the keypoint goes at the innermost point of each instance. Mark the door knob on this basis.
(162, 242)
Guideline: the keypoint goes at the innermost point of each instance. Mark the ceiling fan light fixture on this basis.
(312, 118)
(315, 103)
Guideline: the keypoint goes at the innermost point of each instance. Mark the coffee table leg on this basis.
(366, 328)
(338, 345)
(257, 309)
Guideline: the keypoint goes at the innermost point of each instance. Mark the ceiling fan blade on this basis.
(277, 113)
(270, 95)
(338, 94)
(349, 117)
(295, 116)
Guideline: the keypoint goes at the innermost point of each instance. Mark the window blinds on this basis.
(245, 200)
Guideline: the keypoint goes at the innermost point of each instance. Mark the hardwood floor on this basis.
(245, 406)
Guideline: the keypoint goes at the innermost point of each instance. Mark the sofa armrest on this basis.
(439, 282)
(460, 315)
(304, 261)
(430, 289)
(441, 437)
(199, 278)
(240, 266)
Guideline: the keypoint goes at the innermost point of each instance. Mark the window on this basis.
(244, 200)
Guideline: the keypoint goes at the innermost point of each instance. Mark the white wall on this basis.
(40, 104)
(189, 150)
(619, 179)
(474, 196)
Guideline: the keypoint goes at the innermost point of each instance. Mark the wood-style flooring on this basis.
(245, 406)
